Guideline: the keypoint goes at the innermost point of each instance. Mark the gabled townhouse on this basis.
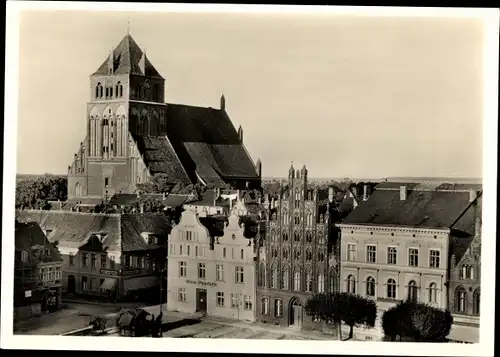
(115, 256)
(37, 272)
(211, 267)
(396, 245)
(464, 288)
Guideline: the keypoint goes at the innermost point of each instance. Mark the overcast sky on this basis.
(346, 96)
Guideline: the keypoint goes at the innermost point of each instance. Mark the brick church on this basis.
(132, 134)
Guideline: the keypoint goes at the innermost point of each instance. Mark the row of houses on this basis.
(257, 257)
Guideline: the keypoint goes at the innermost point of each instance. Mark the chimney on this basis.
(365, 192)
(240, 134)
(222, 102)
(111, 62)
(330, 194)
(142, 208)
(472, 194)
(273, 203)
(402, 193)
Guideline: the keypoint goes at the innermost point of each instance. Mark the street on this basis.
(71, 317)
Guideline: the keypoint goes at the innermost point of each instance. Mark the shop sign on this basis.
(131, 272)
(109, 272)
(201, 283)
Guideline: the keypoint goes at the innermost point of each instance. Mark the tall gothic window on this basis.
(285, 279)
(433, 292)
(391, 289)
(321, 282)
(309, 282)
(274, 277)
(308, 237)
(285, 237)
(461, 299)
(296, 280)
(262, 275)
(476, 300)
(308, 255)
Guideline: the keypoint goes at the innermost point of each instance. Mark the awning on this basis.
(468, 334)
(108, 284)
(143, 282)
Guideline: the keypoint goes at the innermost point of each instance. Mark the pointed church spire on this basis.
(110, 62)
(128, 25)
(222, 102)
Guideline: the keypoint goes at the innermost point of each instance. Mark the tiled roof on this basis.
(160, 157)
(123, 232)
(424, 209)
(464, 230)
(30, 234)
(133, 225)
(207, 143)
(124, 199)
(127, 56)
(207, 199)
(72, 229)
(174, 200)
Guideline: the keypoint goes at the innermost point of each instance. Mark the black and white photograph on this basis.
(320, 179)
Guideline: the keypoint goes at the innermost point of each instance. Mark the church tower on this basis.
(126, 100)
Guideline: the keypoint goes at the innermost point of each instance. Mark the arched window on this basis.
(308, 237)
(285, 237)
(274, 277)
(308, 255)
(321, 282)
(78, 190)
(285, 253)
(98, 90)
(321, 237)
(433, 291)
(274, 236)
(351, 284)
(285, 278)
(309, 282)
(331, 283)
(119, 89)
(101, 90)
(107, 92)
(285, 217)
(412, 291)
(391, 289)
(297, 219)
(296, 280)
(296, 236)
(470, 272)
(262, 275)
(275, 253)
(111, 92)
(370, 286)
(144, 175)
(296, 254)
(464, 271)
(476, 300)
(321, 256)
(461, 300)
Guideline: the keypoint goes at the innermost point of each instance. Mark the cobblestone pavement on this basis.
(208, 328)
(72, 317)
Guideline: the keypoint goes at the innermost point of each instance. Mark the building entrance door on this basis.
(201, 300)
(295, 314)
(71, 284)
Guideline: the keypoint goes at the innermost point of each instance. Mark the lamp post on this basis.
(162, 274)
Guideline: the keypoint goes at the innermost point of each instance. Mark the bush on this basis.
(417, 321)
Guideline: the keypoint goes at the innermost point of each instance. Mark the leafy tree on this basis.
(352, 309)
(34, 192)
(159, 183)
(417, 321)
